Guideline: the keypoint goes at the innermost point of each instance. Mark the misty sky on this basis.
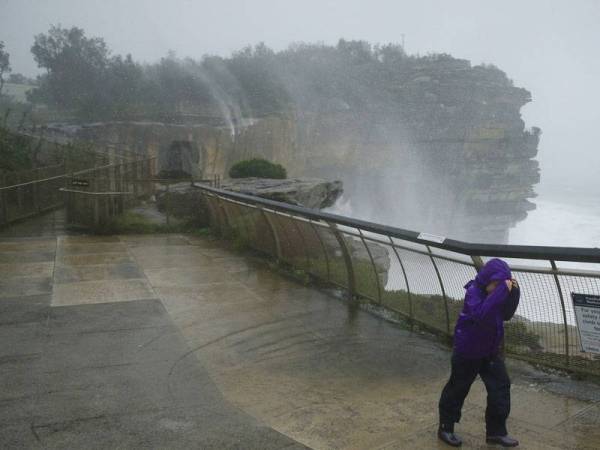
(549, 47)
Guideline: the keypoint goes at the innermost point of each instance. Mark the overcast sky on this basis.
(549, 47)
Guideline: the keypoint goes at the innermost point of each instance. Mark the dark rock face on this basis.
(184, 202)
(309, 192)
(181, 157)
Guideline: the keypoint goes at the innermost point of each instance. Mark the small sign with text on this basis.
(587, 314)
(79, 182)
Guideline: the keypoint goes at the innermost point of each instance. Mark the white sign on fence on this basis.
(587, 313)
(431, 238)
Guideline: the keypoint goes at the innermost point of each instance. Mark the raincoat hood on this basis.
(479, 329)
(494, 270)
(480, 326)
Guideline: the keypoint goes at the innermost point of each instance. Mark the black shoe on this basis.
(504, 441)
(449, 438)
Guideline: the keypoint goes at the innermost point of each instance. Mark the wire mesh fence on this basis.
(422, 277)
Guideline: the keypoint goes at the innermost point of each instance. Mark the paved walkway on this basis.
(49, 224)
(177, 342)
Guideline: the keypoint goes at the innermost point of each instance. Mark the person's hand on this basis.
(509, 284)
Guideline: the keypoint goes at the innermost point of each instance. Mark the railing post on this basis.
(120, 187)
(228, 224)
(4, 194)
(67, 201)
(108, 210)
(243, 216)
(347, 258)
(276, 217)
(242, 220)
(147, 176)
(297, 227)
(278, 254)
(215, 221)
(379, 297)
(4, 206)
(477, 262)
(410, 303)
(564, 310)
(324, 250)
(135, 179)
(250, 226)
(36, 193)
(168, 203)
(19, 194)
(439, 276)
(96, 211)
(151, 176)
(96, 202)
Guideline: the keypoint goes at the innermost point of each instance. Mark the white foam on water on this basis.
(557, 222)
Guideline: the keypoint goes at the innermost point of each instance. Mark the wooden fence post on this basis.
(3, 201)
(4, 208)
(36, 192)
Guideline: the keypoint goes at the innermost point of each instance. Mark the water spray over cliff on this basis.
(434, 138)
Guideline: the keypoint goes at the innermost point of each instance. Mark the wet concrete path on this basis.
(177, 342)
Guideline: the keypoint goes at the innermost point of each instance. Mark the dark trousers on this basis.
(464, 371)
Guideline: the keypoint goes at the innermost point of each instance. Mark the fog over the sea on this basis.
(547, 46)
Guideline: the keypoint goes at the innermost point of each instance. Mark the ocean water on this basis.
(564, 219)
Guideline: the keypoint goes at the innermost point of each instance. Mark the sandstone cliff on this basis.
(454, 158)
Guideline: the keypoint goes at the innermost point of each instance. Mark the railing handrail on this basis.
(27, 171)
(75, 191)
(575, 254)
(70, 174)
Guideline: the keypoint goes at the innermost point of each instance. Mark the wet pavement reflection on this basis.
(321, 371)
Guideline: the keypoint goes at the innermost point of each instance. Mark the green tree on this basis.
(76, 69)
(4, 65)
(19, 78)
(124, 87)
(256, 72)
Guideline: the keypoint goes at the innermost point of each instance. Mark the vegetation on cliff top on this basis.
(259, 168)
(84, 78)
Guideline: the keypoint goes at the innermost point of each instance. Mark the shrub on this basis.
(260, 168)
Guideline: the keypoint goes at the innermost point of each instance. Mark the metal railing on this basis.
(108, 192)
(115, 188)
(23, 200)
(28, 199)
(27, 193)
(23, 176)
(421, 276)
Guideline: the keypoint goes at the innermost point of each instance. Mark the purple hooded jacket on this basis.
(480, 327)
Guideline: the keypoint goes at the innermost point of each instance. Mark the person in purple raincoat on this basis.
(491, 298)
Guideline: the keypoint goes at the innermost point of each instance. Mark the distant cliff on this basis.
(442, 149)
